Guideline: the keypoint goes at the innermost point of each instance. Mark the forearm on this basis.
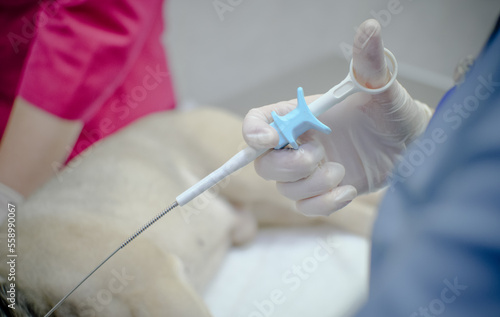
(34, 144)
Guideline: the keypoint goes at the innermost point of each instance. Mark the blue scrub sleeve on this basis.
(436, 242)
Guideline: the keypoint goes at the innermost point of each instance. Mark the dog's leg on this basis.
(174, 294)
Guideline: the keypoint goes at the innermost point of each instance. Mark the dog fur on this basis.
(103, 196)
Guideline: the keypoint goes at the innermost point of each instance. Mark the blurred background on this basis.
(240, 54)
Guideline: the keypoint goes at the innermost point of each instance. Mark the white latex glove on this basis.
(369, 133)
(8, 196)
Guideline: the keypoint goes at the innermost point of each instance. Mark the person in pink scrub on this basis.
(72, 73)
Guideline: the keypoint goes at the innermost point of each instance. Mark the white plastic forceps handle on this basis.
(334, 96)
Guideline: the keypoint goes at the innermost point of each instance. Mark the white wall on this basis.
(262, 50)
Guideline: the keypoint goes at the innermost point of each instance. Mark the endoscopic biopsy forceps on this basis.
(289, 127)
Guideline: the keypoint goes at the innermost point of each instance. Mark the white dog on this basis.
(88, 209)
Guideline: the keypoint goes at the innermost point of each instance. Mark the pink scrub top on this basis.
(98, 61)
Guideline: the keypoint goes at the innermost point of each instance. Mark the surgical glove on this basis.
(369, 133)
(8, 196)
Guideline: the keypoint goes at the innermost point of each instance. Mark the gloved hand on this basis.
(8, 196)
(369, 133)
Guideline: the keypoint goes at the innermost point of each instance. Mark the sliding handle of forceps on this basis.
(335, 95)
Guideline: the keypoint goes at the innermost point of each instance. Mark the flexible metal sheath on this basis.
(132, 237)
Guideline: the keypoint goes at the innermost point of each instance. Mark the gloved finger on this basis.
(289, 165)
(326, 204)
(256, 129)
(370, 67)
(325, 178)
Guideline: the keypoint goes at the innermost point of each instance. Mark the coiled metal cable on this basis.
(132, 237)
